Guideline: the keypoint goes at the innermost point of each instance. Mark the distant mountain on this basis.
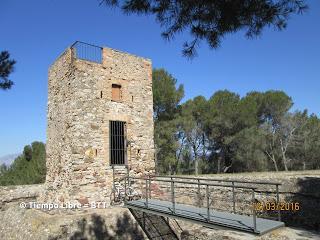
(8, 159)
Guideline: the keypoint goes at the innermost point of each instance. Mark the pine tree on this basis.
(6, 68)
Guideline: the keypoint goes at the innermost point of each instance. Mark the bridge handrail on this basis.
(198, 183)
(194, 183)
(233, 181)
(219, 180)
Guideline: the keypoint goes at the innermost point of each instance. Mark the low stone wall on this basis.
(9, 194)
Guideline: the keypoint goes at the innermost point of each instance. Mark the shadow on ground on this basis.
(97, 229)
(308, 197)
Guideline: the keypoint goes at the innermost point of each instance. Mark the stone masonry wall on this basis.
(79, 111)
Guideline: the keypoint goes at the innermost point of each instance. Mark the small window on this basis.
(116, 92)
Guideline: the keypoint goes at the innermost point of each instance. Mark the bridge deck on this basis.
(199, 215)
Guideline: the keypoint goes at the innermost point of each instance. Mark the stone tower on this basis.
(100, 117)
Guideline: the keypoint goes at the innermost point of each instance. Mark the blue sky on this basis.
(36, 32)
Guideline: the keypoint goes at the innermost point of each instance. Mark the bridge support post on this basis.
(199, 194)
(113, 183)
(233, 198)
(173, 197)
(278, 200)
(208, 203)
(128, 175)
(147, 191)
(149, 186)
(125, 190)
(254, 212)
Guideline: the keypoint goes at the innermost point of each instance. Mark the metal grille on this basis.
(86, 51)
(117, 143)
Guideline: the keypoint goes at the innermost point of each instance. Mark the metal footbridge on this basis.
(213, 203)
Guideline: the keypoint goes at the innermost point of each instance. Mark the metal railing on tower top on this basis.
(86, 51)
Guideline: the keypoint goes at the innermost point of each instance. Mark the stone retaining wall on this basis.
(9, 194)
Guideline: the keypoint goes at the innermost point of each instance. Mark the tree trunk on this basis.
(227, 168)
(196, 160)
(155, 159)
(196, 165)
(271, 156)
(283, 153)
(275, 164)
(284, 159)
(219, 165)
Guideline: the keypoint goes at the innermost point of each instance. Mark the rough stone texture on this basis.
(117, 223)
(79, 111)
(19, 193)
